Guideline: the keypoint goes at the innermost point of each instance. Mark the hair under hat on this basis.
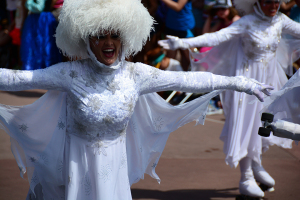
(246, 6)
(80, 19)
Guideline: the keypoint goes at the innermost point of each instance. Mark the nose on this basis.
(108, 40)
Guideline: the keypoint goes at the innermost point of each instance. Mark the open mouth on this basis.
(108, 52)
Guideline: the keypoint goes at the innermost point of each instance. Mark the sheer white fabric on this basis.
(100, 129)
(285, 105)
(252, 47)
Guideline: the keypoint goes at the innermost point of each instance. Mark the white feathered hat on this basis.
(246, 6)
(80, 19)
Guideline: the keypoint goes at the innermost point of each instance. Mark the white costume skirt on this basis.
(65, 166)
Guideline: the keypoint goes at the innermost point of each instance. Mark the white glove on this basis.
(173, 43)
(259, 89)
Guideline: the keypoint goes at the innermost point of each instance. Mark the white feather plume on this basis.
(246, 6)
(81, 18)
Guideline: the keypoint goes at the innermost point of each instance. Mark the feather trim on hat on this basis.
(80, 19)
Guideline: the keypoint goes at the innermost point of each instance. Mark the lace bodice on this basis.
(100, 101)
(260, 37)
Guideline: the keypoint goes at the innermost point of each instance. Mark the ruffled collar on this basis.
(102, 68)
(258, 11)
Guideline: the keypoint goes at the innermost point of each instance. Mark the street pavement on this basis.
(191, 167)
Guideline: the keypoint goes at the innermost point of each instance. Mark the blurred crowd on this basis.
(27, 29)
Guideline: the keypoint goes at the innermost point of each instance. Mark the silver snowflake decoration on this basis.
(108, 120)
(94, 103)
(105, 173)
(158, 123)
(99, 148)
(154, 165)
(34, 180)
(61, 125)
(60, 166)
(113, 86)
(122, 135)
(32, 159)
(87, 185)
(129, 104)
(23, 127)
(155, 73)
(132, 72)
(73, 74)
(63, 71)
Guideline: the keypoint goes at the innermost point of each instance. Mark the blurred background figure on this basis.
(179, 22)
(220, 15)
(38, 47)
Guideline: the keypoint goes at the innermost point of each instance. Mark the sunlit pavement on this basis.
(191, 167)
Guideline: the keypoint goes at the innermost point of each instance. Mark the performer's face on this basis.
(269, 7)
(106, 47)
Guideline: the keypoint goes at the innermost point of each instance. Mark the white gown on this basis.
(99, 129)
(252, 47)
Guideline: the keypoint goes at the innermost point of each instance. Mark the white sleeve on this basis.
(216, 38)
(150, 79)
(56, 77)
(290, 27)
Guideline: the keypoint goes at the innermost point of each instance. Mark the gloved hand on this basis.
(173, 43)
(261, 89)
(258, 89)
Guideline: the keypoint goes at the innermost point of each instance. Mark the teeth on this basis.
(108, 50)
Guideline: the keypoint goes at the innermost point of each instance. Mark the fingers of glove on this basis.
(266, 88)
(259, 95)
(172, 37)
(164, 44)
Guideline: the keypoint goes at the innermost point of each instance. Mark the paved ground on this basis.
(192, 165)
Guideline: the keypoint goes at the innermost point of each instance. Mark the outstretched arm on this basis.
(206, 40)
(55, 77)
(290, 27)
(154, 80)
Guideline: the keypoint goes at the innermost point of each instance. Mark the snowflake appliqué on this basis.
(155, 73)
(87, 185)
(108, 120)
(23, 127)
(129, 104)
(60, 166)
(61, 125)
(122, 135)
(32, 159)
(63, 71)
(133, 73)
(113, 86)
(99, 148)
(94, 103)
(158, 123)
(154, 165)
(34, 180)
(105, 173)
(73, 74)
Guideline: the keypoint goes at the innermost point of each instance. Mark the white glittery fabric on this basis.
(100, 128)
(254, 47)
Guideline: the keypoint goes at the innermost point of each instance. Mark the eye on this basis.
(115, 36)
(99, 37)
